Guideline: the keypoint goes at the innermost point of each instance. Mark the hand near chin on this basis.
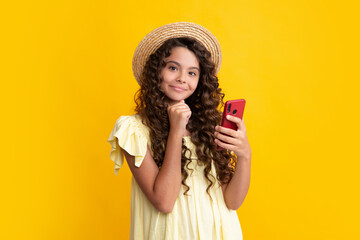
(179, 114)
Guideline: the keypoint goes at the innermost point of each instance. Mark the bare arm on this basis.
(162, 186)
(236, 190)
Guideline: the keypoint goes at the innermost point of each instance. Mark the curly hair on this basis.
(204, 103)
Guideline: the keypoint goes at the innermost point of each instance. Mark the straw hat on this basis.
(153, 40)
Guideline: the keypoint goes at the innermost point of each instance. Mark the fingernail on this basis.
(227, 116)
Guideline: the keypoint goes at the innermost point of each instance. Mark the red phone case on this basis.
(234, 108)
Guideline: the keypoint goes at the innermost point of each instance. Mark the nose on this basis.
(181, 77)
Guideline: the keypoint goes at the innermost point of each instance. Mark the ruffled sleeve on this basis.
(128, 134)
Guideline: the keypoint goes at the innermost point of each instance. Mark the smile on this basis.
(178, 89)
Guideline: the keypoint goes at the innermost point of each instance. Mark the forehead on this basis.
(183, 56)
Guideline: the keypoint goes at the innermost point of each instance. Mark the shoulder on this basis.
(130, 135)
(132, 121)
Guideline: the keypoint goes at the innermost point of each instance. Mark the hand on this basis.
(179, 114)
(236, 141)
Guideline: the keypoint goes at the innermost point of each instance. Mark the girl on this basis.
(182, 186)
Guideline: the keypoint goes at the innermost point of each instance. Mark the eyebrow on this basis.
(180, 65)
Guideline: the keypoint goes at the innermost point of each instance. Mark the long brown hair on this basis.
(204, 103)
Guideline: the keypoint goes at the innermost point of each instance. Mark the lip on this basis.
(178, 89)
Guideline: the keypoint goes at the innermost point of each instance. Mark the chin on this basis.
(175, 99)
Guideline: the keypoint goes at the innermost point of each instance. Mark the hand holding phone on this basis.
(234, 108)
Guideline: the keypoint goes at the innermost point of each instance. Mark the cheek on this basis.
(194, 85)
(162, 81)
(165, 77)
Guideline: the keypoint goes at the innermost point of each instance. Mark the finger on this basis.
(235, 120)
(180, 104)
(225, 145)
(226, 131)
(243, 128)
(225, 138)
(184, 112)
(180, 107)
(189, 112)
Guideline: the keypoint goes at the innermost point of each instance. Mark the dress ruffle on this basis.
(129, 136)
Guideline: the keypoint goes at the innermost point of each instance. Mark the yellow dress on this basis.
(193, 217)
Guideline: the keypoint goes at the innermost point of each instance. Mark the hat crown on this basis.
(153, 40)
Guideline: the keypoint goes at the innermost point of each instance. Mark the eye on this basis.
(172, 68)
(192, 73)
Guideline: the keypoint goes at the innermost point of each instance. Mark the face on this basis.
(180, 76)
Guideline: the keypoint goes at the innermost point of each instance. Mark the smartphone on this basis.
(234, 108)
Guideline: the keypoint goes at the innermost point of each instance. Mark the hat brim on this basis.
(153, 40)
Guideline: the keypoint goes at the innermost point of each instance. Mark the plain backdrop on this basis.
(66, 77)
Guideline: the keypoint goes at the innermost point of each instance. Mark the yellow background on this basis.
(66, 77)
